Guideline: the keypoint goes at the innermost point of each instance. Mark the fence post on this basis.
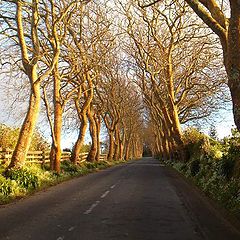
(80, 157)
(43, 158)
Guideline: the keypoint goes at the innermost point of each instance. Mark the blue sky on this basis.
(225, 124)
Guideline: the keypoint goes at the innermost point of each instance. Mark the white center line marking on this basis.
(97, 202)
(113, 186)
(105, 194)
(60, 238)
(71, 229)
(92, 207)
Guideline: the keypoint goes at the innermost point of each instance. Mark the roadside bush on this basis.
(6, 187)
(216, 150)
(196, 143)
(24, 178)
(93, 165)
(227, 193)
(193, 140)
(214, 166)
(69, 167)
(234, 151)
(90, 165)
(9, 136)
(192, 135)
(180, 166)
(102, 164)
(194, 167)
(216, 179)
(230, 195)
(9, 187)
(43, 174)
(226, 167)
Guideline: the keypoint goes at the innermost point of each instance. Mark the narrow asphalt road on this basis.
(141, 200)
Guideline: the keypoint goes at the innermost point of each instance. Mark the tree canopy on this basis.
(137, 70)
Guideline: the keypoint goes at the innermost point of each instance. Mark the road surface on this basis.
(140, 200)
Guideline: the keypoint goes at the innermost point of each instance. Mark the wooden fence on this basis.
(43, 157)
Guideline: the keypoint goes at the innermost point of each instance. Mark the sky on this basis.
(222, 121)
(224, 125)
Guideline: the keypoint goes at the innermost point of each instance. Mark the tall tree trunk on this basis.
(98, 127)
(134, 149)
(139, 146)
(82, 114)
(127, 149)
(93, 132)
(232, 59)
(173, 111)
(158, 143)
(165, 146)
(116, 145)
(131, 149)
(56, 152)
(111, 146)
(122, 143)
(177, 134)
(30, 68)
(121, 148)
(80, 140)
(230, 40)
(27, 129)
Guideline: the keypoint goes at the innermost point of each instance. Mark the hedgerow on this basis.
(214, 167)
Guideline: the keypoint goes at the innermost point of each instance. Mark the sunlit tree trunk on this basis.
(121, 148)
(82, 114)
(27, 129)
(82, 132)
(56, 152)
(93, 132)
(134, 149)
(228, 30)
(232, 59)
(98, 129)
(116, 144)
(165, 146)
(111, 146)
(127, 149)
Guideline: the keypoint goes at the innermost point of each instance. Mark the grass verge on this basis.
(34, 177)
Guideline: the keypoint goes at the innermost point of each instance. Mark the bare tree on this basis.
(23, 25)
(174, 68)
(58, 17)
(228, 30)
(121, 111)
(91, 40)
